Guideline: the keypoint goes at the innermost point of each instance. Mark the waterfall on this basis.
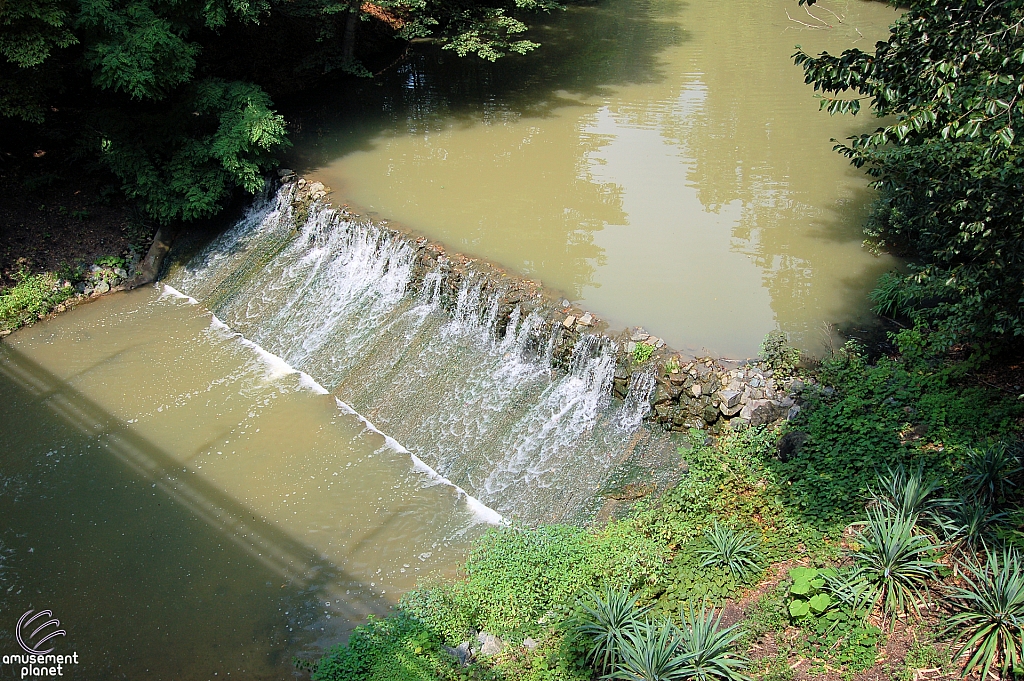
(436, 361)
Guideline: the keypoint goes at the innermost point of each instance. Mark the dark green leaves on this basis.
(948, 161)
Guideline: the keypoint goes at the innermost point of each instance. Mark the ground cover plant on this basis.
(733, 560)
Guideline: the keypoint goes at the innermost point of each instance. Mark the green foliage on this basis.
(905, 494)
(922, 655)
(183, 161)
(830, 605)
(396, 648)
(660, 651)
(517, 576)
(709, 650)
(175, 110)
(642, 352)
(895, 561)
(807, 592)
(603, 624)
(445, 608)
(689, 577)
(989, 626)
(30, 31)
(777, 354)
(968, 523)
(991, 473)
(869, 418)
(30, 299)
(843, 637)
(650, 651)
(947, 160)
(732, 549)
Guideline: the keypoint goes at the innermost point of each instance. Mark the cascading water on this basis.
(473, 396)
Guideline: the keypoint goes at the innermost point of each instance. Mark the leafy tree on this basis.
(168, 96)
(950, 82)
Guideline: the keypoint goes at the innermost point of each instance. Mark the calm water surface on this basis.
(660, 161)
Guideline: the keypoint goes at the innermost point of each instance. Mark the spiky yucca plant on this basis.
(969, 524)
(605, 618)
(709, 649)
(895, 562)
(735, 550)
(989, 626)
(903, 492)
(991, 472)
(651, 651)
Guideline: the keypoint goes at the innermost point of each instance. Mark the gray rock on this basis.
(764, 412)
(730, 398)
(530, 644)
(463, 653)
(565, 303)
(793, 411)
(729, 412)
(101, 288)
(630, 347)
(569, 321)
(489, 643)
(285, 172)
(587, 319)
(639, 336)
(695, 389)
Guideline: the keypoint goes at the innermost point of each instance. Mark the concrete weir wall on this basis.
(680, 392)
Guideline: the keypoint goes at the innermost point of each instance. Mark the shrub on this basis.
(968, 523)
(394, 648)
(991, 472)
(708, 648)
(777, 354)
(905, 494)
(731, 549)
(603, 623)
(31, 298)
(650, 651)
(990, 624)
(895, 562)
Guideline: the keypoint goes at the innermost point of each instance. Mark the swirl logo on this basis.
(32, 642)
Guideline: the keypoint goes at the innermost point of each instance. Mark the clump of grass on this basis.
(642, 352)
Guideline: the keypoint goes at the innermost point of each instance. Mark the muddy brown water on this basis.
(660, 162)
(191, 506)
(187, 505)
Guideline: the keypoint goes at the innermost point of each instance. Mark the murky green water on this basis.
(186, 505)
(662, 162)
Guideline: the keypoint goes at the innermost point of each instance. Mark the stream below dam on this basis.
(205, 478)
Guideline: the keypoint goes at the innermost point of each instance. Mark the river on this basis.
(208, 477)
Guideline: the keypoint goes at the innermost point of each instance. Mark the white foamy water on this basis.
(477, 402)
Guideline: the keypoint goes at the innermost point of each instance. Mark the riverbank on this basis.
(65, 237)
(792, 497)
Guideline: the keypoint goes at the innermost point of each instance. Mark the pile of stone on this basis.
(101, 279)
